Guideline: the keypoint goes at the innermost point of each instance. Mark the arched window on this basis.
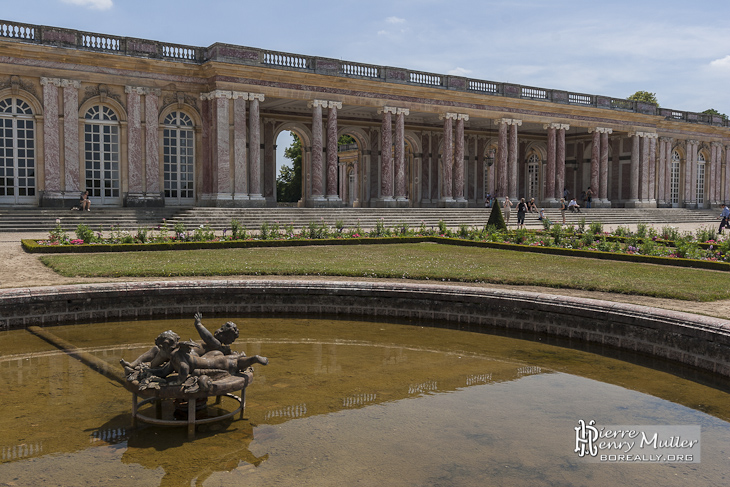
(533, 176)
(17, 152)
(178, 159)
(101, 152)
(674, 179)
(700, 179)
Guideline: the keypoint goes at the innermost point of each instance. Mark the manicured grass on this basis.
(410, 261)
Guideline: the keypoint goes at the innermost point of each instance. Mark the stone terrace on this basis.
(43, 219)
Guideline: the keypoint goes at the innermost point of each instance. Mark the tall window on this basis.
(674, 179)
(700, 179)
(533, 177)
(101, 151)
(17, 152)
(178, 159)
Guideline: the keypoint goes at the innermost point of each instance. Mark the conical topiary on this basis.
(496, 219)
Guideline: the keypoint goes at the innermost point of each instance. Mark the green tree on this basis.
(496, 219)
(289, 180)
(712, 111)
(646, 97)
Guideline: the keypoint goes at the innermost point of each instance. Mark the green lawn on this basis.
(411, 261)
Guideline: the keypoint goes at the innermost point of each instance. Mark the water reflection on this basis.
(346, 402)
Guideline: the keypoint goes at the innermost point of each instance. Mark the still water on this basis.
(351, 403)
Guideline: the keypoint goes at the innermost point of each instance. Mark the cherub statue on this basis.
(156, 356)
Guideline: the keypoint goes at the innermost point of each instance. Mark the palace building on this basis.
(145, 123)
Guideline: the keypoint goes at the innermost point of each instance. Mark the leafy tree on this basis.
(646, 97)
(712, 111)
(289, 181)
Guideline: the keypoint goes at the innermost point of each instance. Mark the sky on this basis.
(679, 50)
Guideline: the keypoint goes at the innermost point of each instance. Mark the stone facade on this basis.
(144, 123)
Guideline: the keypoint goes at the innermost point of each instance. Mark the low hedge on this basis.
(32, 246)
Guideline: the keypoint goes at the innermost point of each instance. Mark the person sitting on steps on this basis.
(85, 203)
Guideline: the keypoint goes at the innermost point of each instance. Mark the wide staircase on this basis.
(219, 219)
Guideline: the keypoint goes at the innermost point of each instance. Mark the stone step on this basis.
(131, 219)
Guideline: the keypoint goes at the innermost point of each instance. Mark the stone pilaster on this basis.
(662, 173)
(560, 153)
(152, 146)
(71, 152)
(603, 184)
(240, 156)
(134, 140)
(52, 152)
(691, 196)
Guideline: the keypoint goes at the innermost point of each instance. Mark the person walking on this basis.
(562, 209)
(507, 209)
(521, 212)
(725, 216)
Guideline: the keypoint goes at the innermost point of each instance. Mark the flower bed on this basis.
(644, 245)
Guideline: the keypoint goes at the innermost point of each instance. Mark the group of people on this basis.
(523, 207)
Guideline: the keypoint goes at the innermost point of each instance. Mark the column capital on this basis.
(556, 126)
(448, 115)
(235, 95)
(648, 135)
(715, 144)
(71, 83)
(135, 89)
(256, 96)
(463, 116)
(50, 82)
(403, 111)
(393, 110)
(693, 142)
(317, 103)
(335, 104)
(508, 121)
(216, 94)
(664, 138)
(600, 130)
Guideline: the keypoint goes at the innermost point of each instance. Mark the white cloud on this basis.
(723, 63)
(395, 20)
(459, 71)
(92, 4)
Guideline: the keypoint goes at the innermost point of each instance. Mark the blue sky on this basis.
(678, 50)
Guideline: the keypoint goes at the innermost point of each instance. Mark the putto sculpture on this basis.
(190, 371)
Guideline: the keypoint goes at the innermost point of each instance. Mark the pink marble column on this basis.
(447, 162)
(644, 176)
(254, 150)
(595, 161)
(560, 162)
(717, 173)
(317, 145)
(603, 188)
(693, 173)
(513, 153)
(386, 154)
(652, 168)
(502, 155)
(481, 189)
(550, 188)
(726, 194)
(635, 167)
(134, 139)
(400, 150)
(240, 157)
(332, 193)
(152, 141)
(52, 150)
(72, 159)
(662, 173)
(668, 170)
(459, 158)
